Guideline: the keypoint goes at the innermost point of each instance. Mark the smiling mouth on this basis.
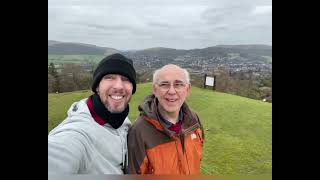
(171, 100)
(116, 97)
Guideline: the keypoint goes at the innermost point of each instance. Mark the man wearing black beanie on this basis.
(93, 137)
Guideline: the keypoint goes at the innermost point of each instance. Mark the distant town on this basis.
(244, 70)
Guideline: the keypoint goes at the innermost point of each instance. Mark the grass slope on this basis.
(62, 59)
(238, 130)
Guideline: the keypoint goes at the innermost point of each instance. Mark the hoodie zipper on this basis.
(122, 150)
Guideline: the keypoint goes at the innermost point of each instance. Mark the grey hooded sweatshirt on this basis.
(79, 145)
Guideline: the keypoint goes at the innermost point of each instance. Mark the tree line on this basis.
(73, 77)
(247, 84)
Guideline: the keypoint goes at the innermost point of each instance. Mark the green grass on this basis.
(61, 59)
(238, 130)
(58, 104)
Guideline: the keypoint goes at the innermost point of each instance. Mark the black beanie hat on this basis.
(114, 64)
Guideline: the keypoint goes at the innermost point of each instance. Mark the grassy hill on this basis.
(70, 48)
(238, 130)
(80, 58)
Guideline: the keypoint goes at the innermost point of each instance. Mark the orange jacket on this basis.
(153, 149)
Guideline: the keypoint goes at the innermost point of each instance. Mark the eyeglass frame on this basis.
(177, 82)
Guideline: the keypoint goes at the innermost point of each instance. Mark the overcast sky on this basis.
(179, 24)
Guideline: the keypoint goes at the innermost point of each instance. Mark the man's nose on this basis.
(171, 90)
(118, 83)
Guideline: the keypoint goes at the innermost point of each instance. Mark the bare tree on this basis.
(53, 79)
(74, 77)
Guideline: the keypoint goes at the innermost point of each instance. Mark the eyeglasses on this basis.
(178, 86)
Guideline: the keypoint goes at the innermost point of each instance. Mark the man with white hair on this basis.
(167, 137)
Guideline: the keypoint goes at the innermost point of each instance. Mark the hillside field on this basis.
(238, 130)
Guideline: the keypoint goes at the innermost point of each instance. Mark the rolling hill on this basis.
(70, 48)
(238, 130)
(237, 57)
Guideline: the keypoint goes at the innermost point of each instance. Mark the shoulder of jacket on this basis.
(194, 115)
(139, 124)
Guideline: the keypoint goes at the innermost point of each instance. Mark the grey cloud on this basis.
(163, 25)
(109, 27)
(181, 24)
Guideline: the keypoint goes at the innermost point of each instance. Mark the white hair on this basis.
(156, 74)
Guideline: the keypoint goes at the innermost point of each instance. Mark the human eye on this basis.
(164, 85)
(179, 84)
(108, 77)
(123, 78)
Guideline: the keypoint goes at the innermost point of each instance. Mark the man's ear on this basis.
(97, 89)
(154, 89)
(188, 89)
